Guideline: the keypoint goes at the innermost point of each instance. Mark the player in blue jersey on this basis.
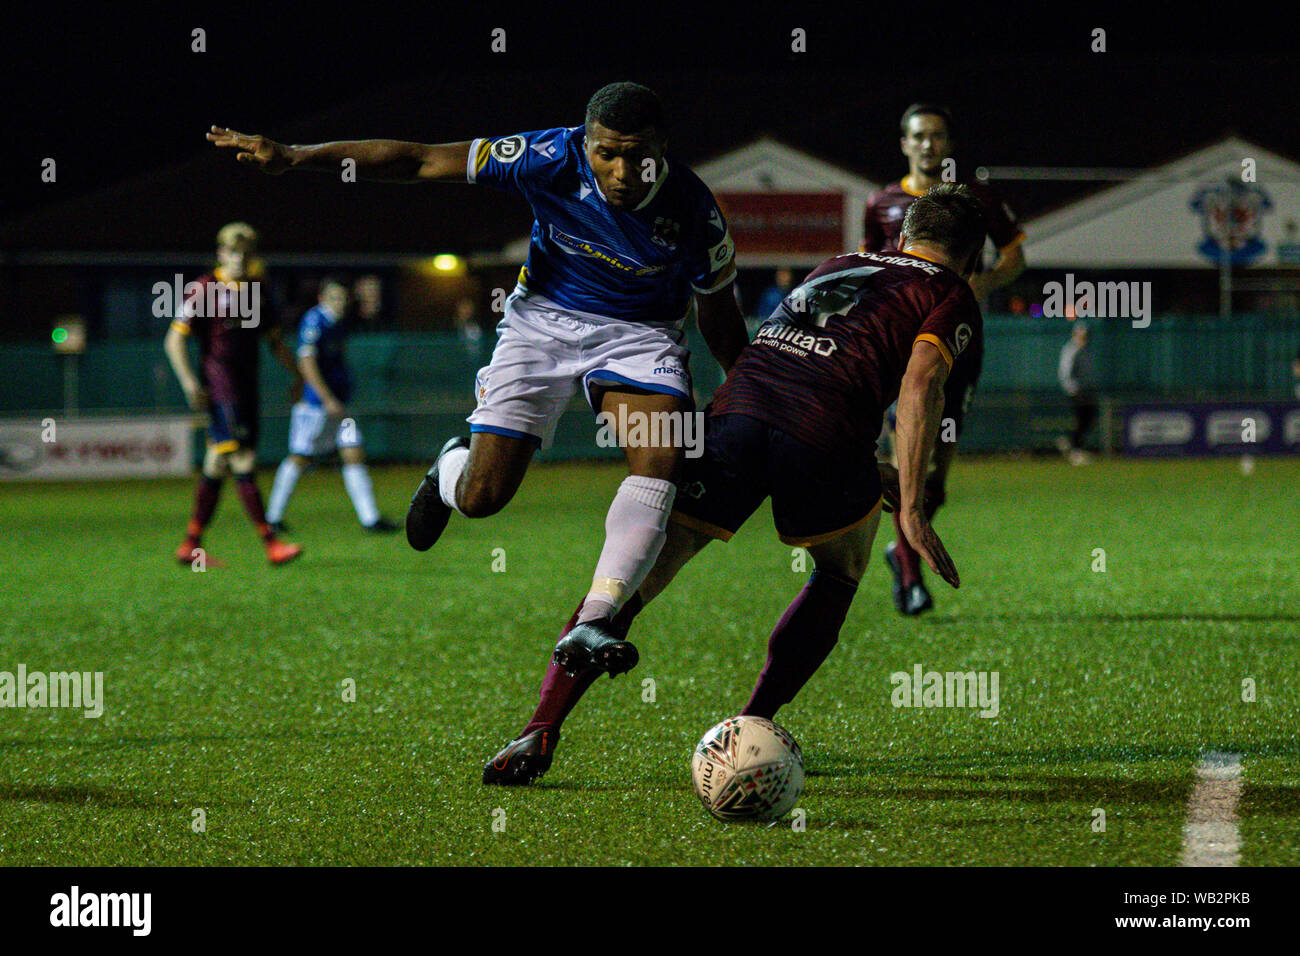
(319, 423)
(626, 240)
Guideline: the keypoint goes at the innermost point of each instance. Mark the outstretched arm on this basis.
(387, 160)
(920, 407)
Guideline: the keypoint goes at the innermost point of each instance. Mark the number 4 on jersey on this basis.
(828, 295)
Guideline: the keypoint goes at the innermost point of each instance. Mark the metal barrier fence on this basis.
(414, 389)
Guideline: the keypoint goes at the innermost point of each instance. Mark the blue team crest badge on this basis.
(509, 149)
(666, 232)
(1232, 215)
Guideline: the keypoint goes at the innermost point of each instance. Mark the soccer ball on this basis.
(748, 768)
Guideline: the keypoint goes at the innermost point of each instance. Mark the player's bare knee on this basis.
(852, 568)
(352, 455)
(481, 498)
(662, 463)
(300, 460)
(849, 563)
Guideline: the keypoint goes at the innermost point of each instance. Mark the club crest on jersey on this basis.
(509, 149)
(961, 338)
(666, 232)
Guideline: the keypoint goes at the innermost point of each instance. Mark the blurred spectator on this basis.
(368, 294)
(1295, 372)
(773, 294)
(467, 326)
(1078, 381)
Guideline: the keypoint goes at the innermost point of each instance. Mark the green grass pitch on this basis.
(224, 689)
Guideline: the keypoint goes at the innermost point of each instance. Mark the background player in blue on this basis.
(319, 422)
(625, 240)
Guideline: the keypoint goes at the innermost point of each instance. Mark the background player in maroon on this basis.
(927, 142)
(229, 313)
(797, 420)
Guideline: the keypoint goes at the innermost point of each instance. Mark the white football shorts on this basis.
(311, 431)
(545, 352)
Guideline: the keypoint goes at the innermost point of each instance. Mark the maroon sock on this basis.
(560, 692)
(801, 640)
(622, 621)
(252, 499)
(206, 497)
(909, 562)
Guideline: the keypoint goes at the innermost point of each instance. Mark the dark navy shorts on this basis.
(232, 425)
(816, 496)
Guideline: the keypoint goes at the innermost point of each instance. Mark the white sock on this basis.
(286, 479)
(635, 531)
(449, 469)
(356, 479)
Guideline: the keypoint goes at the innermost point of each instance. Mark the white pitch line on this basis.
(1211, 835)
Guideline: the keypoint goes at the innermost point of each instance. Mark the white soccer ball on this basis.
(748, 768)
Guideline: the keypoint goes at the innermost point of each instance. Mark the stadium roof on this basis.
(1160, 217)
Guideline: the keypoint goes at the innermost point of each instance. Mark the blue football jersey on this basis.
(638, 265)
(322, 336)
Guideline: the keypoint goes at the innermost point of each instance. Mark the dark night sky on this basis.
(115, 94)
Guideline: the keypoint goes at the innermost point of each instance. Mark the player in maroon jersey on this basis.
(228, 313)
(797, 419)
(927, 142)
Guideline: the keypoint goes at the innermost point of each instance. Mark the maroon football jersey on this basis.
(228, 320)
(885, 211)
(831, 358)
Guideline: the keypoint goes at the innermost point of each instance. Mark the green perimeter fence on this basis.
(413, 390)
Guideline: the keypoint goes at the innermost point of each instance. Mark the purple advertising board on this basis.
(1213, 428)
